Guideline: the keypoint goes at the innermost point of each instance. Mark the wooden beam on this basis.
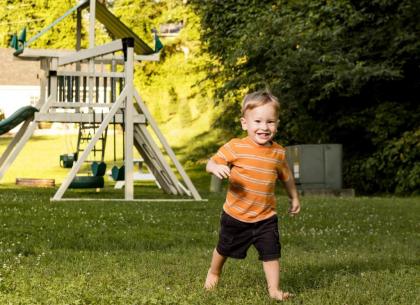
(86, 54)
(94, 74)
(70, 105)
(37, 54)
(14, 141)
(83, 118)
(132, 200)
(92, 11)
(129, 125)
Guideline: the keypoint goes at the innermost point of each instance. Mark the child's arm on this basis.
(219, 170)
(291, 190)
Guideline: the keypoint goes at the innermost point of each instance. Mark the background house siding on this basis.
(19, 82)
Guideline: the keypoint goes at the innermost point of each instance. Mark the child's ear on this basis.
(243, 123)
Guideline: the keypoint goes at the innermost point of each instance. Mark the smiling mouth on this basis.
(263, 135)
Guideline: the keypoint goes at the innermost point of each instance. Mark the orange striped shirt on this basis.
(253, 175)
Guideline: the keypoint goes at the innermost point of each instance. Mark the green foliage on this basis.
(397, 164)
(346, 72)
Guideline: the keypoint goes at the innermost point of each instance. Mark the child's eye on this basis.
(257, 121)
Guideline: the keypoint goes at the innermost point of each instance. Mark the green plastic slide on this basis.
(16, 118)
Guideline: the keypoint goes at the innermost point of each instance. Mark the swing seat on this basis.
(86, 182)
(98, 169)
(118, 173)
(66, 160)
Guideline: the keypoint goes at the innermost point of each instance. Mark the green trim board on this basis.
(20, 115)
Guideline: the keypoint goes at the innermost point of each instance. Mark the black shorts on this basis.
(236, 237)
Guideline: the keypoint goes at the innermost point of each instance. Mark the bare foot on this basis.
(211, 280)
(280, 295)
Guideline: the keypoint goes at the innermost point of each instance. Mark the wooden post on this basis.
(78, 46)
(92, 11)
(44, 65)
(92, 8)
(78, 30)
(128, 45)
(52, 98)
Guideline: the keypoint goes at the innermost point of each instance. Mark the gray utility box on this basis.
(316, 166)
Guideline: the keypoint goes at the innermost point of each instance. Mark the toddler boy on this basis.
(249, 217)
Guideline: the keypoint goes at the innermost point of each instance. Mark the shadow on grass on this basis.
(323, 275)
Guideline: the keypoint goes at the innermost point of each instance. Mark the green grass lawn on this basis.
(337, 251)
(40, 157)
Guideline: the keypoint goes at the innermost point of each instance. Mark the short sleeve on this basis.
(226, 154)
(283, 171)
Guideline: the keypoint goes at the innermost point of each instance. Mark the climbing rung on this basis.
(89, 138)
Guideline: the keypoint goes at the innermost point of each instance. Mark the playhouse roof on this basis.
(119, 30)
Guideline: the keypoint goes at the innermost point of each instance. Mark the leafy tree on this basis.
(346, 72)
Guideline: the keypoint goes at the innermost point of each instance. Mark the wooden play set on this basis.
(94, 88)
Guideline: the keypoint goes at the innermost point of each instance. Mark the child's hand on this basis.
(221, 171)
(294, 206)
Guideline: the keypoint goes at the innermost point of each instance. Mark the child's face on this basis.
(261, 124)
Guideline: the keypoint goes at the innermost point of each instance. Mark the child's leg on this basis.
(272, 274)
(215, 270)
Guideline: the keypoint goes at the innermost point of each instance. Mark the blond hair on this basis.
(259, 98)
